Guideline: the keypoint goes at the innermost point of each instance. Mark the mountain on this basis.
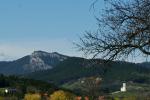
(60, 69)
(68, 72)
(71, 72)
(37, 61)
(75, 68)
(145, 64)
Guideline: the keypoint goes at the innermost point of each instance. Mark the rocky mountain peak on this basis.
(41, 60)
(37, 61)
(39, 53)
(52, 55)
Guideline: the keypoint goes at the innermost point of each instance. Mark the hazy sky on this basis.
(48, 25)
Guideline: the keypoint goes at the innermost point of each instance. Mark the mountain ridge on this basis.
(43, 61)
(68, 71)
(38, 60)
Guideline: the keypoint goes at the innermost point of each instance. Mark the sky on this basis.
(48, 25)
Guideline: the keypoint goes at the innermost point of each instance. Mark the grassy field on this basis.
(134, 92)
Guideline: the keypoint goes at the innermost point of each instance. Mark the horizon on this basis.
(69, 56)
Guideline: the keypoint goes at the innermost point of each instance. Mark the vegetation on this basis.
(70, 69)
(130, 96)
(75, 68)
(18, 87)
(91, 86)
(123, 31)
(61, 95)
(80, 77)
(32, 97)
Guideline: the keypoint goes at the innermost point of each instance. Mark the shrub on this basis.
(32, 97)
(32, 89)
(1, 98)
(62, 95)
(130, 98)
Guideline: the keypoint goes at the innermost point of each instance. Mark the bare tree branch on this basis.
(124, 29)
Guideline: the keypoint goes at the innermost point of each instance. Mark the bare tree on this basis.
(124, 29)
(91, 86)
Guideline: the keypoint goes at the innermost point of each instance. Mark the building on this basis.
(123, 88)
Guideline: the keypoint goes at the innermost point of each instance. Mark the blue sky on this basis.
(48, 25)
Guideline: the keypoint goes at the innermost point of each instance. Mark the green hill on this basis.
(70, 72)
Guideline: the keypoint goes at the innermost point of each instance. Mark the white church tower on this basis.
(123, 88)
